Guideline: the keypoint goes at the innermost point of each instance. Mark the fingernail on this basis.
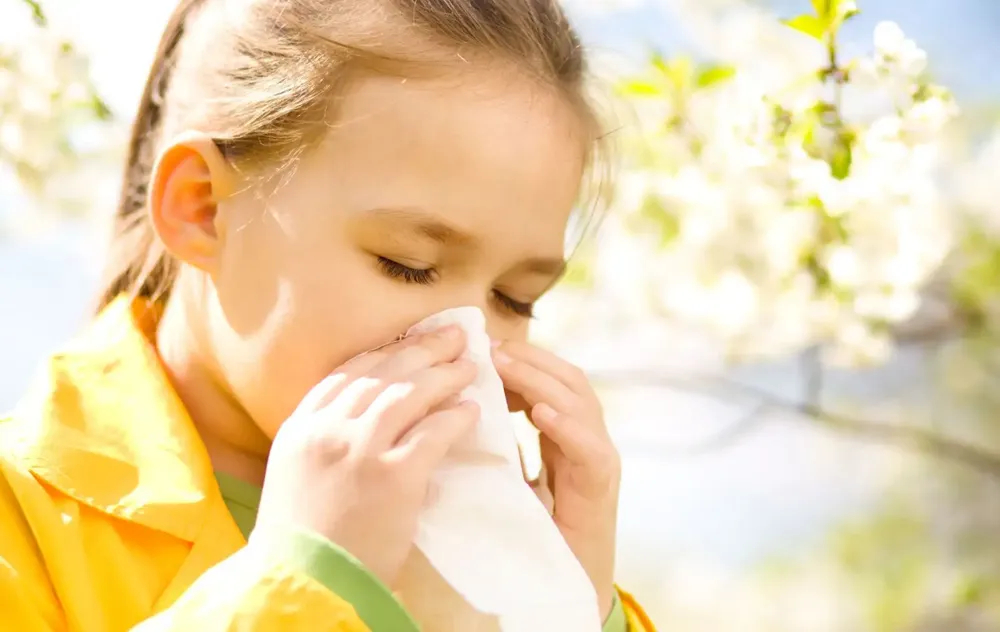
(544, 413)
(500, 358)
(495, 343)
(451, 331)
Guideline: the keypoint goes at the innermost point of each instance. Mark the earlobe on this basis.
(189, 179)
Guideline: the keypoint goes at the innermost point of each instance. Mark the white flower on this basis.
(883, 130)
(11, 137)
(45, 103)
(786, 239)
(928, 117)
(734, 302)
(889, 38)
(895, 306)
(844, 266)
(893, 49)
(772, 252)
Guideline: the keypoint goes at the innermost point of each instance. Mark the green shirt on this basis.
(338, 570)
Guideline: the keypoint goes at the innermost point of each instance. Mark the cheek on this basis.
(270, 371)
(310, 323)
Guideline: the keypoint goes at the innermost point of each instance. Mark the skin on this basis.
(281, 287)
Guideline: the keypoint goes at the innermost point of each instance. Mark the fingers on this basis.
(431, 438)
(402, 404)
(533, 384)
(565, 410)
(397, 362)
(563, 431)
(321, 395)
(536, 376)
(573, 377)
(443, 345)
(332, 385)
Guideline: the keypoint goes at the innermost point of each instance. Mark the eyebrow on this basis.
(437, 230)
(424, 223)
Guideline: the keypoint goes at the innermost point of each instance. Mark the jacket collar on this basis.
(105, 427)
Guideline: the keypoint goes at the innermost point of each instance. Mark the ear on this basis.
(189, 179)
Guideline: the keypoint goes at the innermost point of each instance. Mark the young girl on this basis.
(306, 179)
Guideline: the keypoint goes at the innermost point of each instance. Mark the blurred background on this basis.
(790, 308)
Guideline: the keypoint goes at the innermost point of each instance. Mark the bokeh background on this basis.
(790, 307)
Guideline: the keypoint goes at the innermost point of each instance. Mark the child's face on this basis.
(471, 180)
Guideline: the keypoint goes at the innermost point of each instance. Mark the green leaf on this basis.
(841, 11)
(830, 11)
(100, 108)
(659, 62)
(654, 214)
(36, 12)
(713, 75)
(678, 71)
(810, 128)
(840, 161)
(811, 25)
(638, 87)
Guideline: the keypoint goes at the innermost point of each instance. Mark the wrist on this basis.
(597, 557)
(594, 548)
(606, 601)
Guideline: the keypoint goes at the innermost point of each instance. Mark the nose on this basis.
(468, 295)
(478, 295)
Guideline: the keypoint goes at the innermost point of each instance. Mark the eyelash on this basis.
(396, 270)
(406, 274)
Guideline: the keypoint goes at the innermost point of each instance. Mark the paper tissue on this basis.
(487, 555)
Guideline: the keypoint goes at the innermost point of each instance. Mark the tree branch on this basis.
(912, 438)
(812, 366)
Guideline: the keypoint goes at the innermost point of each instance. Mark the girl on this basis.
(306, 179)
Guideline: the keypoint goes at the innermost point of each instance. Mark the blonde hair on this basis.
(261, 77)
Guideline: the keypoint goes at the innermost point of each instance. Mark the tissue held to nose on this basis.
(487, 554)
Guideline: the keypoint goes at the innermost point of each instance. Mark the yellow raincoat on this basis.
(111, 517)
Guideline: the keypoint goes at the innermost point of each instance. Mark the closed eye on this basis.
(518, 308)
(396, 270)
(426, 276)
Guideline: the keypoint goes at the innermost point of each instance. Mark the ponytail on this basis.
(137, 262)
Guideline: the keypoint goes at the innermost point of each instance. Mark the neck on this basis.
(235, 444)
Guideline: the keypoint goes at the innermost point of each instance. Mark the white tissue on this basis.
(488, 556)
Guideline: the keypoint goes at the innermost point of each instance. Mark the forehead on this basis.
(491, 152)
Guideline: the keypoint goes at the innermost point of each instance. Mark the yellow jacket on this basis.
(111, 517)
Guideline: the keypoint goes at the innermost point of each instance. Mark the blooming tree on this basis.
(777, 211)
(781, 217)
(48, 110)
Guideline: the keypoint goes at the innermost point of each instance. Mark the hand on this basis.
(584, 469)
(353, 463)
